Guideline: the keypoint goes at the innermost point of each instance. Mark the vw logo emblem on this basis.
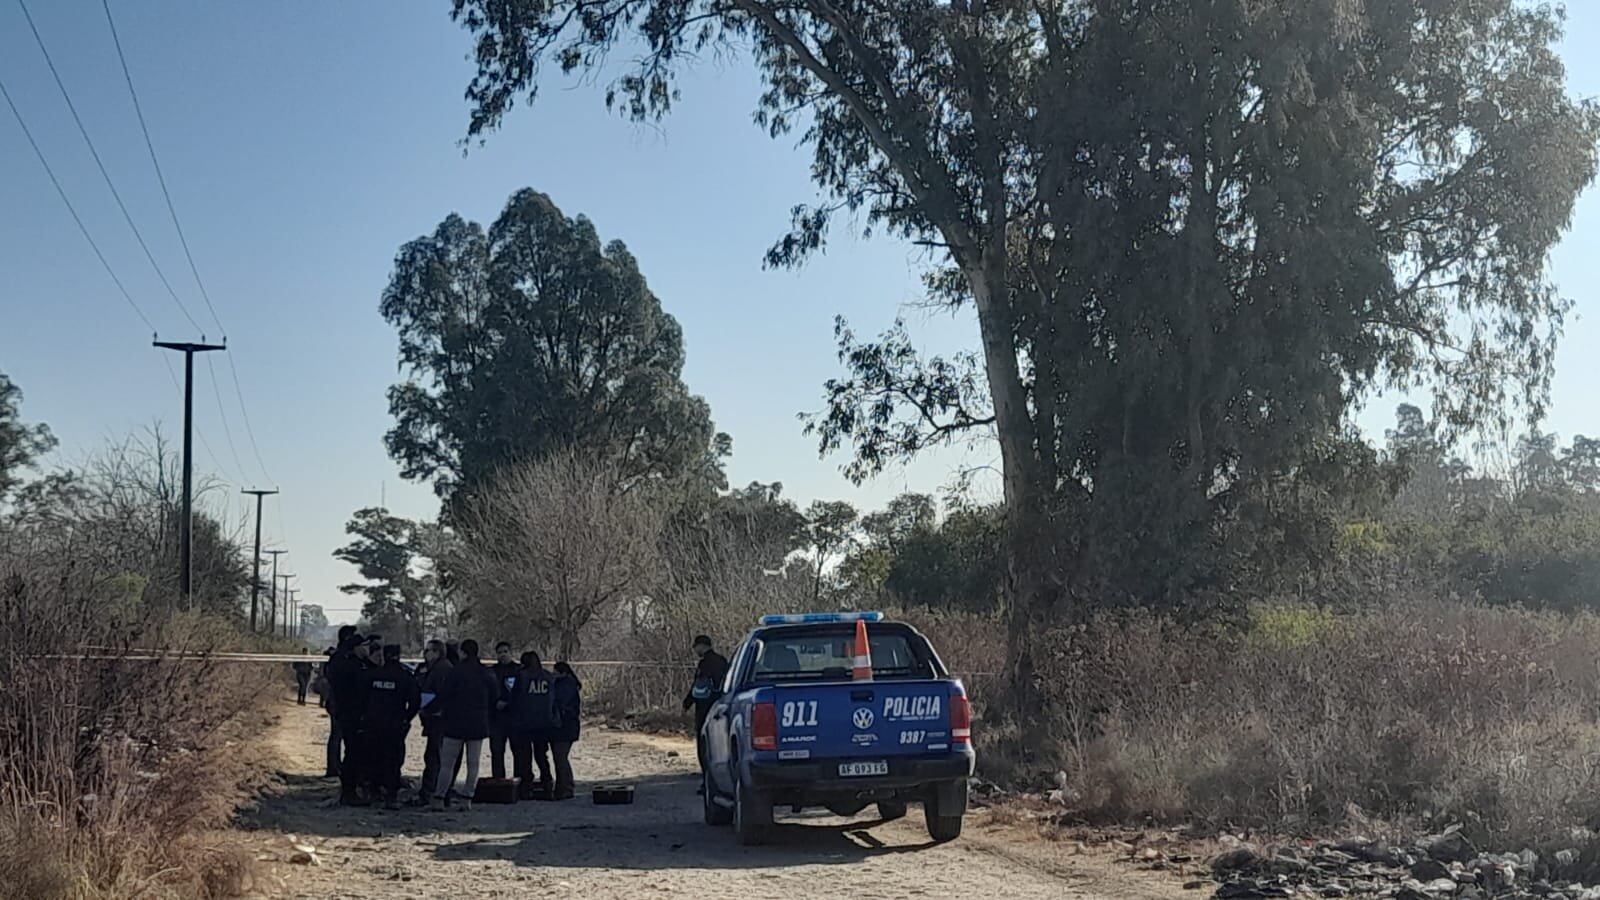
(863, 718)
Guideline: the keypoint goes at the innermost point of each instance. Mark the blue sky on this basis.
(304, 142)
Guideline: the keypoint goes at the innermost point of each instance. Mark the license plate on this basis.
(858, 769)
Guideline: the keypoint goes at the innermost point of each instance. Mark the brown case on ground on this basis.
(613, 794)
(495, 790)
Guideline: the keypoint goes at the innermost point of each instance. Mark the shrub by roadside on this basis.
(112, 770)
(1420, 712)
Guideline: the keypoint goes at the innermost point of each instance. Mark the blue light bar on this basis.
(812, 618)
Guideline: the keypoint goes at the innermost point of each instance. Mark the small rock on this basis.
(1440, 886)
(1566, 857)
(301, 858)
(1429, 870)
(1149, 853)
(1194, 885)
(1334, 889)
(672, 754)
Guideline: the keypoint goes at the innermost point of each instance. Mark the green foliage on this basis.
(383, 552)
(1194, 236)
(20, 444)
(831, 527)
(531, 337)
(1281, 627)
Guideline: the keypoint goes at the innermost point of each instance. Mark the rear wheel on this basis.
(889, 810)
(752, 814)
(716, 813)
(943, 810)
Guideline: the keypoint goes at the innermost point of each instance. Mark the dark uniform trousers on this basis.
(388, 756)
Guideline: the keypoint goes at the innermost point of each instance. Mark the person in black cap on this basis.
(392, 702)
(707, 687)
(330, 703)
(347, 673)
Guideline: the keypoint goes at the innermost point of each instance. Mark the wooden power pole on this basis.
(255, 576)
(186, 524)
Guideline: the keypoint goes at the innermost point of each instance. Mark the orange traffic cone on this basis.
(863, 664)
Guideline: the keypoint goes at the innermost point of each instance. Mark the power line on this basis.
(249, 432)
(78, 120)
(62, 193)
(154, 161)
(194, 270)
(227, 432)
(177, 224)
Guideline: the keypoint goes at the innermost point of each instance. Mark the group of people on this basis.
(372, 698)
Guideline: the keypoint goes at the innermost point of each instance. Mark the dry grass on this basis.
(112, 770)
(1308, 721)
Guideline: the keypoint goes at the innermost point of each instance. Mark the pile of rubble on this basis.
(1440, 867)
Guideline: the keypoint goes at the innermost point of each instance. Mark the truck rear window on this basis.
(821, 657)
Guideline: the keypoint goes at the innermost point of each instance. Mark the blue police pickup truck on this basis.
(811, 718)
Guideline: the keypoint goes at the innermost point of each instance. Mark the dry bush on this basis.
(1424, 709)
(552, 545)
(111, 768)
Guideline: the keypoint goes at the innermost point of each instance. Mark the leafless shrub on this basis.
(112, 766)
(551, 545)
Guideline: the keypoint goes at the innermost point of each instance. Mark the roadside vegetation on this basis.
(113, 769)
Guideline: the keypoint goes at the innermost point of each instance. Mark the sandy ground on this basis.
(656, 847)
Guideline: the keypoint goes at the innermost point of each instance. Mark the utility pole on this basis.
(186, 524)
(272, 613)
(255, 577)
(285, 603)
(291, 623)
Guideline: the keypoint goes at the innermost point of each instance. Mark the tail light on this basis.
(960, 719)
(764, 726)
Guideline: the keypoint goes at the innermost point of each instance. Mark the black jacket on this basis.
(565, 693)
(347, 676)
(506, 674)
(710, 670)
(392, 697)
(532, 713)
(431, 681)
(466, 699)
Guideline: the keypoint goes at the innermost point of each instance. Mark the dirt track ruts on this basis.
(656, 847)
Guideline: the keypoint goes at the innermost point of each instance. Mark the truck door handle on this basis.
(861, 696)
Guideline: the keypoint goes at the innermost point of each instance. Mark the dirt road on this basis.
(656, 847)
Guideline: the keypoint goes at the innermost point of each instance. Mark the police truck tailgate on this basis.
(868, 720)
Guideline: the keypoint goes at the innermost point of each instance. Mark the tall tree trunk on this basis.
(1026, 593)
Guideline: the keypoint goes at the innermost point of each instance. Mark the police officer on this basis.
(709, 673)
(505, 670)
(392, 701)
(530, 726)
(347, 677)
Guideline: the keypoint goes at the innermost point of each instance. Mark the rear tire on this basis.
(752, 815)
(943, 817)
(889, 810)
(716, 814)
